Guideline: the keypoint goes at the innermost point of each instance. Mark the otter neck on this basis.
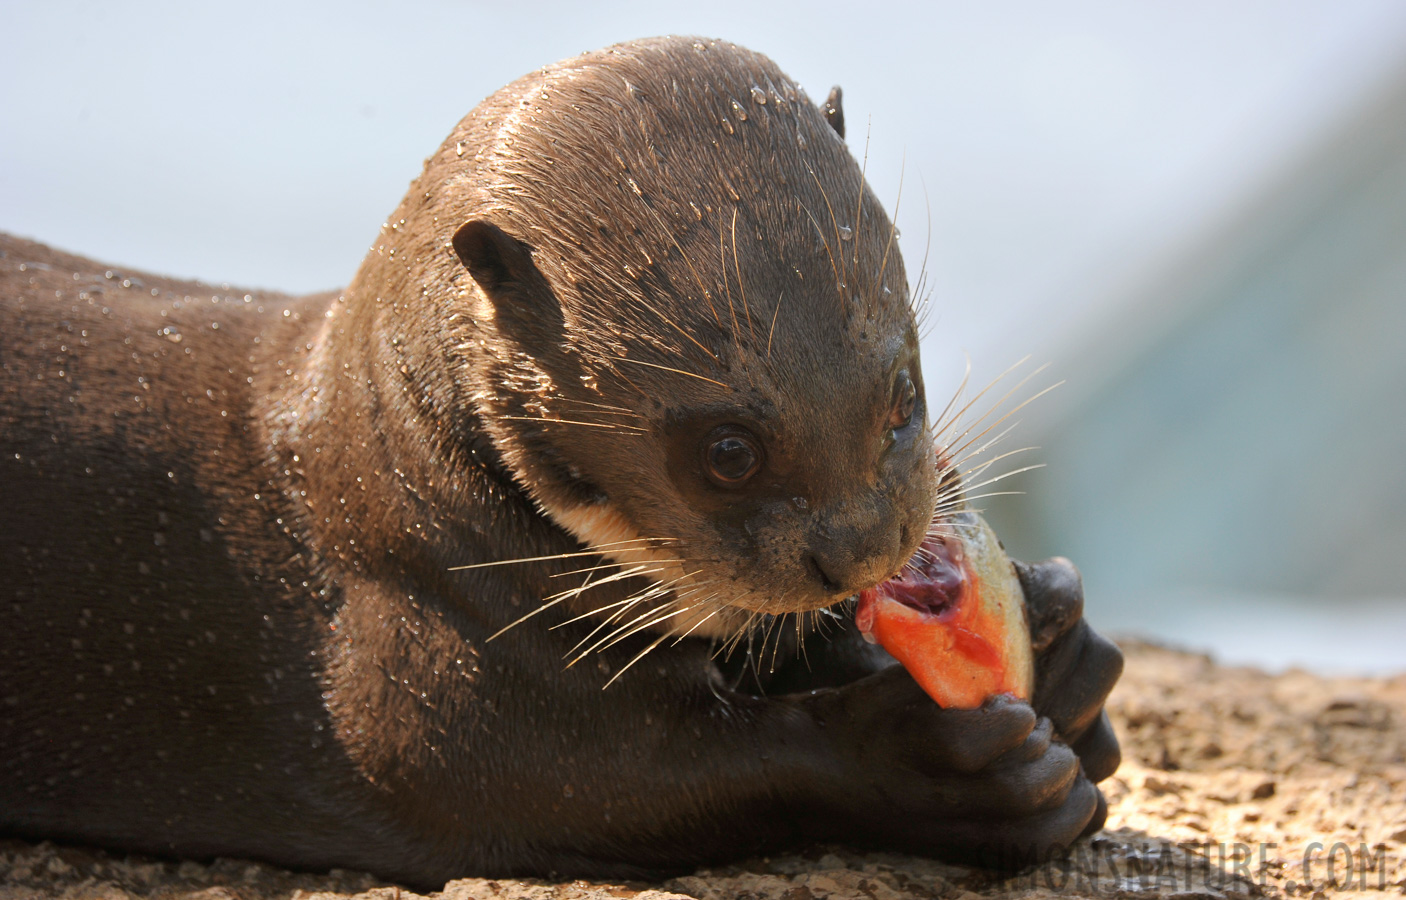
(371, 426)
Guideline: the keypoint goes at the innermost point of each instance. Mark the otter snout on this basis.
(848, 557)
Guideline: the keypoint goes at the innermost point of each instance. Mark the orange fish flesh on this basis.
(955, 616)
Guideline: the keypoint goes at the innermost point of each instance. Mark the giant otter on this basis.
(635, 353)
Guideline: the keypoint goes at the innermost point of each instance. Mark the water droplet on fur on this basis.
(846, 232)
(738, 110)
(758, 95)
(727, 125)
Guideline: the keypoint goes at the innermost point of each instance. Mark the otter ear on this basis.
(834, 110)
(502, 265)
(493, 257)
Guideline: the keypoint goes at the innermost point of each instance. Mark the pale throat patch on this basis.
(602, 528)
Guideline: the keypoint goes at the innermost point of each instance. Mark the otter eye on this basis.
(905, 400)
(732, 457)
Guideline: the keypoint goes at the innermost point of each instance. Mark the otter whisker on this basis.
(998, 404)
(893, 220)
(956, 418)
(741, 287)
(1004, 475)
(609, 410)
(1008, 414)
(771, 628)
(940, 524)
(955, 454)
(824, 242)
(777, 627)
(686, 261)
(656, 590)
(976, 470)
(695, 626)
(978, 509)
(572, 593)
(726, 647)
(772, 332)
(665, 612)
(923, 308)
(800, 642)
(647, 305)
(844, 271)
(928, 557)
(645, 620)
(548, 603)
(609, 565)
(647, 542)
(609, 426)
(859, 200)
(644, 569)
(640, 362)
(941, 423)
(949, 506)
(963, 456)
(625, 606)
(639, 656)
(727, 285)
(659, 589)
(955, 502)
(516, 622)
(825, 618)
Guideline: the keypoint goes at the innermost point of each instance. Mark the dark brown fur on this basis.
(232, 523)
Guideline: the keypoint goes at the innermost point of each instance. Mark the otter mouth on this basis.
(933, 583)
(954, 617)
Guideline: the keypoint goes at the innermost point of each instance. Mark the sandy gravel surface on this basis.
(1234, 784)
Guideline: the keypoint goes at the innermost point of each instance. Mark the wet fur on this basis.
(244, 536)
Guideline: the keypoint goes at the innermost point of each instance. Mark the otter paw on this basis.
(990, 785)
(1075, 666)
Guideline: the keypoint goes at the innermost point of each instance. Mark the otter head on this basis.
(691, 335)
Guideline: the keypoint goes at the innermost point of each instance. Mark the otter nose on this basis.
(848, 560)
(827, 582)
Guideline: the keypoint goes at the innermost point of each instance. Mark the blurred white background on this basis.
(1100, 185)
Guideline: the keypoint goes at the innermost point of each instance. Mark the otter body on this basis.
(636, 352)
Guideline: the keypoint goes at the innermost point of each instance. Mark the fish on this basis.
(955, 616)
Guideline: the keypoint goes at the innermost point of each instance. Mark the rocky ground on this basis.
(1234, 784)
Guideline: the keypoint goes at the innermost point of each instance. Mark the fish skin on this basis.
(955, 617)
